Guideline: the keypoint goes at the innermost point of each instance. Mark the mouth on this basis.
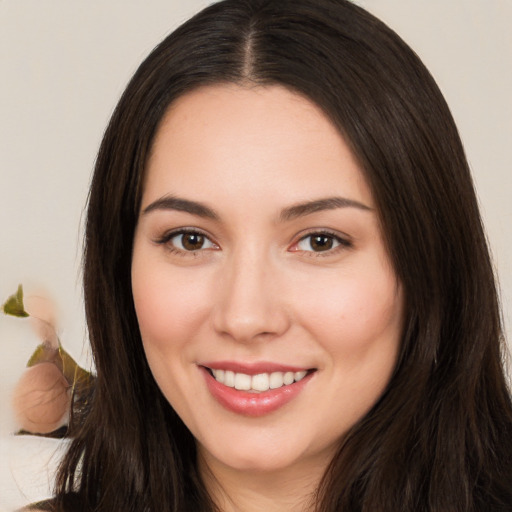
(252, 391)
(258, 383)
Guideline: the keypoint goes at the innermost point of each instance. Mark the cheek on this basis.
(354, 313)
(168, 309)
(169, 305)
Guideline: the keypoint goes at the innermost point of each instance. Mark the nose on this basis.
(249, 303)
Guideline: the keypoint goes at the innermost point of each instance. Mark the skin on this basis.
(259, 290)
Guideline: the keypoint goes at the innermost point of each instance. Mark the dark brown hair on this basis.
(440, 437)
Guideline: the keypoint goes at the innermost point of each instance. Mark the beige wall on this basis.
(64, 63)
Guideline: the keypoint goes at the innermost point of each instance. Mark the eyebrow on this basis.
(318, 205)
(287, 214)
(181, 205)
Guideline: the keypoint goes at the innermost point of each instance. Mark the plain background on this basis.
(63, 65)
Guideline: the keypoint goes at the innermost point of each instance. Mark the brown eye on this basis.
(192, 241)
(188, 241)
(321, 242)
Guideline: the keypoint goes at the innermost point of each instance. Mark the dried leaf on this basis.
(74, 374)
(14, 304)
(39, 356)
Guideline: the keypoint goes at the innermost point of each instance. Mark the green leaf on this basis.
(14, 304)
(74, 374)
(39, 356)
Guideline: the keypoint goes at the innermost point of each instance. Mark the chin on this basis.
(263, 454)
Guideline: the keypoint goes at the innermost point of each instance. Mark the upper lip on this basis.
(253, 368)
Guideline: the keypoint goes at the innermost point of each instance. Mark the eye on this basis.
(187, 241)
(320, 242)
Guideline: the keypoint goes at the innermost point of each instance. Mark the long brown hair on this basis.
(440, 437)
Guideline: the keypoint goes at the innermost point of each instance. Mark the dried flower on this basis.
(43, 396)
(41, 400)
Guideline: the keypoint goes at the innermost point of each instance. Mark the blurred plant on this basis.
(14, 304)
(53, 381)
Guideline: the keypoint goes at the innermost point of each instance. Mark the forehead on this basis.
(251, 141)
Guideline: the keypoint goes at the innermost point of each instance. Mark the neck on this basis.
(282, 490)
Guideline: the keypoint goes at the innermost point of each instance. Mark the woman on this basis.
(288, 289)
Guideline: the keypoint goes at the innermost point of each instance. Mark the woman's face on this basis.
(268, 308)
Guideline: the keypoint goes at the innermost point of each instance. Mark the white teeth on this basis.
(288, 378)
(242, 381)
(229, 379)
(219, 375)
(300, 375)
(276, 380)
(260, 382)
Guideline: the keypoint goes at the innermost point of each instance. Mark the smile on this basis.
(257, 383)
(254, 392)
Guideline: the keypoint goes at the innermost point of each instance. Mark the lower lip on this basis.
(253, 404)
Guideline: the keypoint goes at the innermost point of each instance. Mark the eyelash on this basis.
(167, 237)
(343, 243)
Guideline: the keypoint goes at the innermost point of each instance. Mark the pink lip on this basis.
(253, 404)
